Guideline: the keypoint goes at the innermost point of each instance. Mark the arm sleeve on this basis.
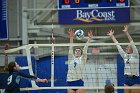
(121, 51)
(85, 51)
(27, 76)
(134, 48)
(70, 54)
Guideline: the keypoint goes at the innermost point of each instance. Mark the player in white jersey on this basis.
(131, 61)
(76, 62)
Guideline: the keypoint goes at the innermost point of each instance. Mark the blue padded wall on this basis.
(120, 72)
(22, 61)
(43, 67)
(60, 72)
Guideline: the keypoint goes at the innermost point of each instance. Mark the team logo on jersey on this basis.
(75, 64)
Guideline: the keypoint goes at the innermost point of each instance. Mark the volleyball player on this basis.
(13, 81)
(76, 62)
(131, 61)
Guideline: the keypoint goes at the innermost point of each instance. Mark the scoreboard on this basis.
(93, 11)
(92, 3)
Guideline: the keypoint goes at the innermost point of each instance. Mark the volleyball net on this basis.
(51, 62)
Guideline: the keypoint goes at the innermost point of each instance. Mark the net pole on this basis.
(52, 66)
(52, 51)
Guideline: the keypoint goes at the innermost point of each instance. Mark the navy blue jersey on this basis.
(3, 78)
(13, 80)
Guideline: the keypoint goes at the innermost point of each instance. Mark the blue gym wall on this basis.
(120, 72)
(43, 67)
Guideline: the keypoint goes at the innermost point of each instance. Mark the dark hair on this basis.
(11, 66)
(109, 88)
(80, 49)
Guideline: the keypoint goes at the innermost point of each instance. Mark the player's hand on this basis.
(71, 33)
(110, 33)
(42, 80)
(125, 28)
(90, 35)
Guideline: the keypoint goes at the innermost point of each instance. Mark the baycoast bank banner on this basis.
(3, 20)
(94, 16)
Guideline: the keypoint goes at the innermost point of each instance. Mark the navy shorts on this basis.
(131, 80)
(76, 83)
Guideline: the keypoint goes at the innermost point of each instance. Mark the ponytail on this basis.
(11, 66)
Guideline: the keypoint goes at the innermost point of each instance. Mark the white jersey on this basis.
(131, 61)
(76, 65)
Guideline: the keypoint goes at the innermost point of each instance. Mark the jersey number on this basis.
(9, 79)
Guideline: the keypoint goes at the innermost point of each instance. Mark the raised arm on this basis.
(86, 45)
(125, 30)
(71, 34)
(111, 34)
(89, 36)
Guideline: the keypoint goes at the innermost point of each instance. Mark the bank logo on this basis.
(95, 15)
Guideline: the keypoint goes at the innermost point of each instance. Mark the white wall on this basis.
(2, 59)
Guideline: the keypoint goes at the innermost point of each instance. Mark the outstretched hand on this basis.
(110, 33)
(125, 28)
(71, 33)
(90, 35)
(42, 80)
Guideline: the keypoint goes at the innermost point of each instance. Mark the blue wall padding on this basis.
(120, 72)
(44, 71)
(60, 70)
(22, 61)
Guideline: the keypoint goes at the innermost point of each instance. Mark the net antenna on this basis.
(52, 49)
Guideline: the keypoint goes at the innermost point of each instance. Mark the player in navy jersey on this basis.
(131, 61)
(76, 62)
(13, 80)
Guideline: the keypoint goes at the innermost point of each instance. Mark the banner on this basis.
(3, 20)
(94, 16)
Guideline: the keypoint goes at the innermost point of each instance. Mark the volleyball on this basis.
(79, 34)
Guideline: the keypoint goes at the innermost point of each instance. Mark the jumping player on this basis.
(76, 62)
